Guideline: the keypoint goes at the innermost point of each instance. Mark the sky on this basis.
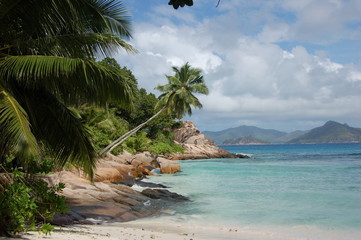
(276, 64)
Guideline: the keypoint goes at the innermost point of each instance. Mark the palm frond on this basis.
(199, 88)
(73, 80)
(195, 79)
(60, 34)
(88, 45)
(178, 95)
(194, 101)
(15, 126)
(58, 128)
(27, 20)
(108, 16)
(6, 6)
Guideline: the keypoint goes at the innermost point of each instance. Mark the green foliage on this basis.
(164, 144)
(176, 100)
(142, 110)
(27, 203)
(103, 125)
(178, 94)
(47, 200)
(163, 148)
(47, 52)
(17, 206)
(118, 119)
(138, 143)
(36, 165)
(32, 165)
(46, 228)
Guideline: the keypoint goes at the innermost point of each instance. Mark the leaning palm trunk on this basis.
(177, 96)
(124, 137)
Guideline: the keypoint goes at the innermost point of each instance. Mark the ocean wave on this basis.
(246, 154)
(355, 154)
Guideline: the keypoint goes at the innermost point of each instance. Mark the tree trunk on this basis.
(125, 136)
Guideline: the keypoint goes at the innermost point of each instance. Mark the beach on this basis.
(162, 228)
(293, 192)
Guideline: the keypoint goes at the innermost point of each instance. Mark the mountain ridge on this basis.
(266, 135)
(247, 140)
(330, 132)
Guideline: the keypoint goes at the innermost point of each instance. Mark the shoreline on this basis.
(164, 229)
(138, 223)
(179, 227)
(105, 200)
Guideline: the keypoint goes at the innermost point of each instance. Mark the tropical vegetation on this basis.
(116, 120)
(47, 52)
(176, 100)
(59, 106)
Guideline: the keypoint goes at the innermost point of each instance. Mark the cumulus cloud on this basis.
(326, 20)
(162, 47)
(312, 21)
(251, 78)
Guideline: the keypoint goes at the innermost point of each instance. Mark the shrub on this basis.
(138, 143)
(27, 203)
(164, 148)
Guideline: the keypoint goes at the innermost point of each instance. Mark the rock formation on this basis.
(104, 201)
(111, 196)
(127, 166)
(197, 145)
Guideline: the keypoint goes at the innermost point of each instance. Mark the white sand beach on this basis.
(162, 229)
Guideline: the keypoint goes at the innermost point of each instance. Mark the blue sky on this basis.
(282, 64)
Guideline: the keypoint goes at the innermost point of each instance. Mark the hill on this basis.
(245, 141)
(266, 135)
(331, 132)
(290, 136)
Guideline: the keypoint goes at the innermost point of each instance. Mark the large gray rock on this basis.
(197, 145)
(189, 134)
(102, 201)
(168, 166)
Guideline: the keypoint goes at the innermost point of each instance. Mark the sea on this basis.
(303, 186)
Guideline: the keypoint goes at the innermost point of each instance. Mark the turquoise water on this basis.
(285, 185)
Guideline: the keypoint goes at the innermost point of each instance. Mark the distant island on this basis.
(247, 140)
(330, 132)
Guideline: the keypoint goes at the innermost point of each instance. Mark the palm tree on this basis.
(177, 98)
(47, 52)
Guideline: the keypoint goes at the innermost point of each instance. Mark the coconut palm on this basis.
(47, 51)
(177, 98)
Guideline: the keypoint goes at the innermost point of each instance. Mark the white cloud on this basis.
(321, 21)
(354, 76)
(251, 79)
(275, 33)
(312, 21)
(160, 48)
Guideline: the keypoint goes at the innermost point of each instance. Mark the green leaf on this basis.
(72, 80)
(178, 95)
(88, 45)
(15, 126)
(58, 128)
